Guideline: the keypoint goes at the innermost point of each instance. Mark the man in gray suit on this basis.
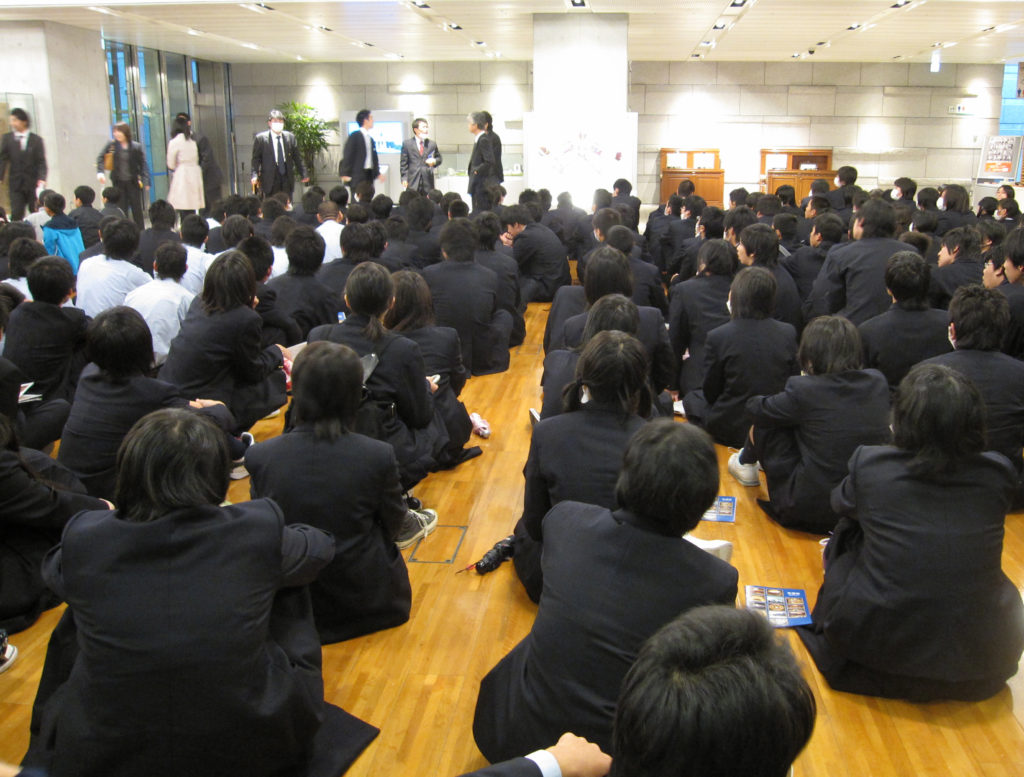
(420, 156)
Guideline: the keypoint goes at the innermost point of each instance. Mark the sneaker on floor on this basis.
(534, 417)
(745, 474)
(719, 548)
(8, 658)
(247, 439)
(412, 503)
(417, 525)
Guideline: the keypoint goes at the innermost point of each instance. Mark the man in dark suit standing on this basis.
(420, 156)
(24, 152)
(276, 158)
(483, 162)
(359, 160)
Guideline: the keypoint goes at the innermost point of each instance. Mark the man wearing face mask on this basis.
(846, 177)
(903, 191)
(420, 156)
(276, 158)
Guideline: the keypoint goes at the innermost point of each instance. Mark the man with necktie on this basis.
(420, 156)
(23, 159)
(359, 159)
(276, 158)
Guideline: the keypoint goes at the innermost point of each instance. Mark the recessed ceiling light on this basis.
(737, 3)
(479, 44)
(257, 7)
(854, 26)
(251, 46)
(577, 3)
(796, 55)
(194, 31)
(454, 26)
(101, 9)
(900, 3)
(392, 55)
(1005, 27)
(719, 26)
(696, 56)
(420, 3)
(708, 44)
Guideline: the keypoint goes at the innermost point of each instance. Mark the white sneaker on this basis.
(534, 417)
(7, 659)
(417, 525)
(745, 474)
(719, 548)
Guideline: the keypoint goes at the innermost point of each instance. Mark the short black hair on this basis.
(1009, 204)
(171, 459)
(604, 219)
(271, 209)
(761, 242)
(1014, 247)
(819, 186)
(624, 186)
(786, 225)
(516, 214)
(820, 205)
(786, 194)
(11, 231)
(717, 257)
(830, 344)
(356, 243)
(927, 198)
(55, 202)
(280, 229)
(608, 272)
(602, 198)
(712, 220)
(311, 201)
(120, 239)
(378, 236)
(364, 192)
(669, 475)
(979, 316)
(194, 230)
(171, 260)
(362, 116)
(458, 210)
(260, 256)
(22, 253)
(738, 196)
(488, 229)
(398, 228)
(327, 387)
(458, 240)
(956, 198)
(925, 221)
(613, 367)
(907, 187)
(695, 205)
(381, 207)
(420, 212)
(21, 115)
(714, 692)
(235, 229)
(612, 311)
(877, 219)
(119, 342)
(620, 237)
(685, 188)
(769, 205)
(51, 279)
(830, 227)
(162, 214)
(939, 416)
(305, 249)
(987, 206)
(230, 283)
(965, 242)
(847, 175)
(85, 195)
(737, 219)
(752, 293)
(907, 276)
(675, 205)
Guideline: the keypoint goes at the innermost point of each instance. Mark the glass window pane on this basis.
(152, 134)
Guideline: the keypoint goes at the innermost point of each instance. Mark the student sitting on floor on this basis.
(164, 301)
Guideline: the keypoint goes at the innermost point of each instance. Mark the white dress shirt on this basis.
(104, 283)
(280, 266)
(198, 264)
(164, 304)
(368, 164)
(330, 231)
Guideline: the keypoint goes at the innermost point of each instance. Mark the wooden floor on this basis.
(419, 682)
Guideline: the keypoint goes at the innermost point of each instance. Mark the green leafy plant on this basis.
(310, 132)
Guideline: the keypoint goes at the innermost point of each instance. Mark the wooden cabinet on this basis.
(701, 165)
(797, 167)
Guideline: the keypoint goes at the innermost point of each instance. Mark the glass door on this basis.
(152, 129)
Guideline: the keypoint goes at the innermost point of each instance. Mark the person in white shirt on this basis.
(330, 218)
(39, 216)
(283, 225)
(164, 301)
(105, 280)
(194, 232)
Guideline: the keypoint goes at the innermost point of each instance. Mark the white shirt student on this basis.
(104, 283)
(198, 264)
(330, 231)
(164, 303)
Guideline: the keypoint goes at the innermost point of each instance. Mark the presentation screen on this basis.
(388, 135)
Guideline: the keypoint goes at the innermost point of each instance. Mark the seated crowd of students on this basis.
(865, 350)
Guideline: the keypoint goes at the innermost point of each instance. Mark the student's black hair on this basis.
(22, 253)
(753, 198)
(378, 237)
(847, 175)
(717, 257)
(907, 276)
(919, 241)
(612, 311)
(362, 116)
(364, 192)
(436, 196)
(1011, 207)
(235, 229)
(820, 205)
(877, 219)
(516, 214)
(752, 293)
(327, 388)
(737, 219)
(685, 188)
(449, 197)
(927, 198)
(230, 283)
(627, 214)
(525, 196)
(605, 219)
(925, 221)
(54, 202)
(458, 210)
(420, 213)
(488, 229)
(761, 242)
(356, 243)
(282, 197)
(830, 344)
(12, 231)
(171, 459)
(21, 115)
(85, 195)
(251, 205)
(194, 230)
(965, 242)
(50, 279)
(171, 260)
(413, 307)
(786, 195)
(613, 367)
(260, 256)
(608, 272)
(564, 200)
(939, 416)
(369, 291)
(305, 249)
(458, 240)
(1013, 245)
(675, 205)
(986, 207)
(956, 198)
(119, 342)
(830, 227)
(669, 476)
(407, 196)
(624, 186)
(695, 205)
(738, 197)
(311, 201)
(713, 693)
(162, 214)
(398, 229)
(980, 317)
(904, 215)
(602, 199)
(859, 198)
(786, 225)
(327, 211)
(271, 209)
(769, 205)
(120, 239)
(280, 229)
(620, 237)
(1008, 191)
(545, 199)
(907, 187)
(381, 207)
(819, 186)
(338, 195)
(712, 219)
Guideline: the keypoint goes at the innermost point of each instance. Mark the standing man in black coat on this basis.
(276, 158)
(24, 152)
(359, 159)
(484, 162)
(420, 156)
(213, 177)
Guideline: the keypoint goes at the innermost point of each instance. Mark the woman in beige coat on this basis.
(186, 190)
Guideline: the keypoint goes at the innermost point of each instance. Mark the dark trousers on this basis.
(277, 183)
(131, 199)
(40, 423)
(20, 202)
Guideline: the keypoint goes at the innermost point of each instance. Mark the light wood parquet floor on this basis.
(419, 682)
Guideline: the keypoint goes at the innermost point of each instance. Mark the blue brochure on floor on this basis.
(722, 511)
(782, 607)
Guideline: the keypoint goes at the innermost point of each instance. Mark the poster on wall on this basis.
(580, 155)
(1000, 158)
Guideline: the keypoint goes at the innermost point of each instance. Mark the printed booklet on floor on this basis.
(783, 607)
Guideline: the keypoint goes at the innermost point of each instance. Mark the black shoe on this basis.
(413, 503)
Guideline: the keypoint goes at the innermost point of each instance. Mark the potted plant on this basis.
(310, 132)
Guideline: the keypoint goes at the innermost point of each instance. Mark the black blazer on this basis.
(212, 175)
(353, 158)
(787, 299)
(334, 275)
(278, 326)
(428, 247)
(26, 167)
(47, 343)
(852, 279)
(306, 300)
(569, 301)
(541, 256)
(414, 168)
(505, 267)
(946, 280)
(828, 416)
(150, 240)
(398, 255)
(803, 265)
(1013, 341)
(898, 339)
(88, 220)
(484, 164)
(559, 370)
(611, 580)
(742, 359)
(923, 594)
(264, 163)
(465, 298)
(696, 307)
(949, 219)
(348, 487)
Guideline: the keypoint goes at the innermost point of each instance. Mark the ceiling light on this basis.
(737, 3)
(900, 3)
(936, 62)
(577, 3)
(453, 26)
(479, 44)
(420, 3)
(101, 9)
(796, 55)
(854, 26)
(392, 55)
(696, 56)
(256, 7)
(1005, 27)
(251, 46)
(193, 31)
(707, 44)
(719, 26)
(299, 58)
(321, 28)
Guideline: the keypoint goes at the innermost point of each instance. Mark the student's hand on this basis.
(101, 178)
(346, 178)
(199, 404)
(674, 395)
(255, 302)
(306, 179)
(579, 758)
(506, 239)
(381, 178)
(432, 382)
(108, 503)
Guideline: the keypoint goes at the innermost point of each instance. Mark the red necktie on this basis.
(421, 147)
